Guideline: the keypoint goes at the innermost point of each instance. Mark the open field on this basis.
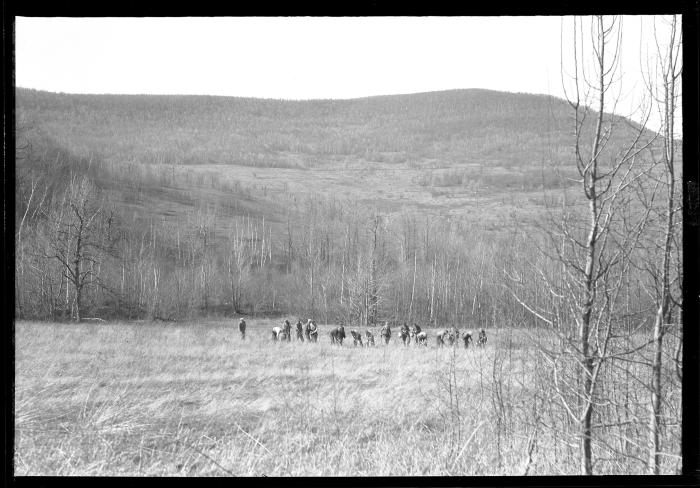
(143, 399)
(193, 399)
(148, 224)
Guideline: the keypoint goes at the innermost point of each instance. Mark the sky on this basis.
(310, 58)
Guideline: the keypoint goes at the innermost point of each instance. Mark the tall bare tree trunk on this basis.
(342, 272)
(262, 243)
(413, 287)
(432, 291)
(670, 71)
(312, 263)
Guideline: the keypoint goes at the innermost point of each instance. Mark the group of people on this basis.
(442, 338)
(408, 334)
(309, 332)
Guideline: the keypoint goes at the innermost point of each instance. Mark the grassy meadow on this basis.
(193, 399)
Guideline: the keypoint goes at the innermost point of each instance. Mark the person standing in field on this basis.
(241, 328)
(385, 332)
(405, 334)
(307, 330)
(300, 331)
(481, 341)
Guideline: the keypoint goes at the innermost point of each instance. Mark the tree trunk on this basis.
(655, 414)
(432, 293)
(76, 278)
(413, 287)
(311, 287)
(589, 182)
(663, 313)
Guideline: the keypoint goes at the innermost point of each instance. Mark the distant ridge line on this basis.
(292, 100)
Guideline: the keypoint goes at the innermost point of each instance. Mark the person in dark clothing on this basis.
(481, 341)
(241, 328)
(386, 333)
(287, 327)
(405, 335)
(300, 331)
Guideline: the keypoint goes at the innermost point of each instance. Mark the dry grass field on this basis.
(192, 399)
(145, 399)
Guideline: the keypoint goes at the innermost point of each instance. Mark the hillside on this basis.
(453, 127)
(274, 205)
(446, 153)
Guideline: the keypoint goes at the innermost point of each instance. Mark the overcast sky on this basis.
(303, 58)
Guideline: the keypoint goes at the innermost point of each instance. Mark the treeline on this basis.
(324, 258)
(333, 260)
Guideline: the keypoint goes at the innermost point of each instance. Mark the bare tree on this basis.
(373, 288)
(665, 95)
(589, 243)
(238, 260)
(83, 236)
(206, 231)
(313, 256)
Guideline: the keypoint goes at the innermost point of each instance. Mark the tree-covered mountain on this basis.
(269, 205)
(443, 150)
(452, 127)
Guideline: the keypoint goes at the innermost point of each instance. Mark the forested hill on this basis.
(453, 127)
(442, 151)
(252, 206)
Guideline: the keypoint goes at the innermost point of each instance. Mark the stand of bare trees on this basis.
(663, 263)
(593, 252)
